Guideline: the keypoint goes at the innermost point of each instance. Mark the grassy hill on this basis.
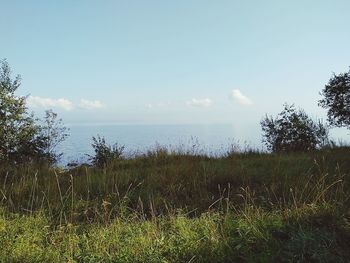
(180, 207)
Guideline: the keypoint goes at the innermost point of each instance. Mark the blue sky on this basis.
(170, 62)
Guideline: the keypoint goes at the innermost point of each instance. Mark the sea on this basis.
(138, 139)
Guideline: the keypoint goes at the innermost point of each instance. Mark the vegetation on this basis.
(52, 133)
(336, 98)
(168, 206)
(23, 138)
(17, 128)
(293, 130)
(104, 153)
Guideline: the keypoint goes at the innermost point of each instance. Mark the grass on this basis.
(166, 206)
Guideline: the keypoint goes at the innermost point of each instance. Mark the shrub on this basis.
(293, 130)
(51, 133)
(104, 153)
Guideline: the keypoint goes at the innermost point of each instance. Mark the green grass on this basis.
(180, 207)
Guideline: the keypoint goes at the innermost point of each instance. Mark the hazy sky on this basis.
(177, 61)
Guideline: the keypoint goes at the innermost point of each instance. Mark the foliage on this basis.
(251, 236)
(52, 133)
(155, 185)
(293, 130)
(105, 153)
(17, 127)
(22, 138)
(180, 208)
(336, 98)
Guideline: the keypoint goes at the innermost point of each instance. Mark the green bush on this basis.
(105, 153)
(293, 130)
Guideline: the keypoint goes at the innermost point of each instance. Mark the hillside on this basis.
(180, 207)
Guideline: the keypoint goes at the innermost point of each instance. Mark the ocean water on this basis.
(210, 139)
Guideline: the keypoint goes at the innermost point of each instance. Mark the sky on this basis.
(175, 62)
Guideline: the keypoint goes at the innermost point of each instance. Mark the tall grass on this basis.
(173, 206)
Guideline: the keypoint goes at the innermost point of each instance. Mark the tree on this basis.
(292, 130)
(336, 98)
(22, 139)
(51, 133)
(17, 128)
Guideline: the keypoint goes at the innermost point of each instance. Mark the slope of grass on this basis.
(315, 234)
(175, 207)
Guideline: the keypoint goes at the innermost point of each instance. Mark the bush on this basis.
(51, 133)
(104, 153)
(293, 130)
(337, 100)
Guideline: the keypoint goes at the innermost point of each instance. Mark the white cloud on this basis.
(39, 102)
(237, 95)
(91, 104)
(204, 103)
(159, 105)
